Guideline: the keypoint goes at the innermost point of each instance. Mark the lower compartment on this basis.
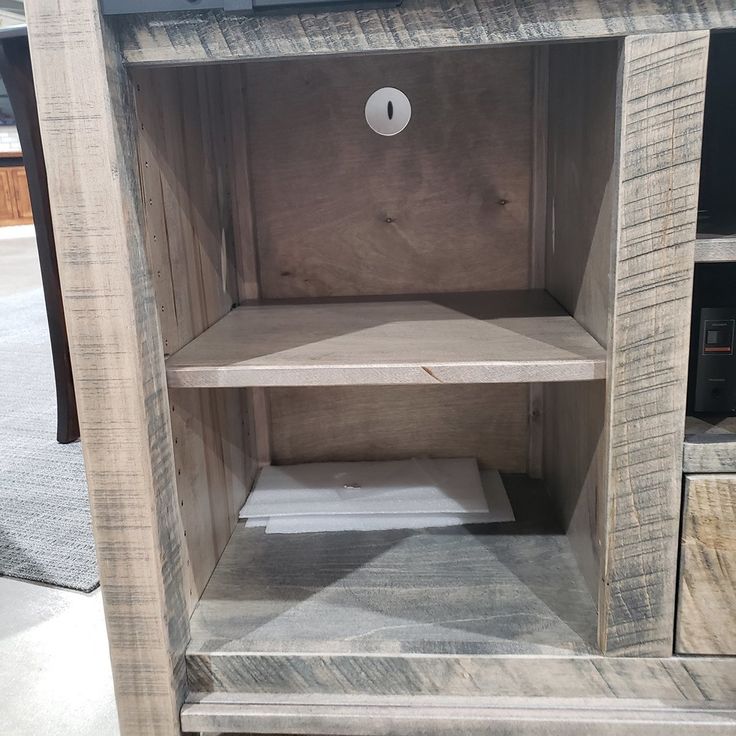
(400, 612)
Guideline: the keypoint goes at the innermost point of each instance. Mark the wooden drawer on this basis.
(706, 622)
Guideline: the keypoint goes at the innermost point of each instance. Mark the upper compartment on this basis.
(365, 259)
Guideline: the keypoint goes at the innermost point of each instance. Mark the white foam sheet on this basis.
(423, 485)
(495, 504)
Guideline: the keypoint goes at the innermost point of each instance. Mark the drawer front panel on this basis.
(706, 621)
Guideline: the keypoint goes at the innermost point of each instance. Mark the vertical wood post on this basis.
(661, 113)
(114, 335)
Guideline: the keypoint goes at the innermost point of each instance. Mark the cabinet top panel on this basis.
(196, 37)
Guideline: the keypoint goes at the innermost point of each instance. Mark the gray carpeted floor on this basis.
(45, 525)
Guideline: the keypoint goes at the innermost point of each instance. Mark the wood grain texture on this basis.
(715, 249)
(186, 182)
(183, 158)
(574, 448)
(214, 474)
(710, 445)
(580, 244)
(706, 616)
(115, 341)
(583, 181)
(501, 337)
(469, 716)
(661, 118)
(441, 207)
(394, 422)
(476, 590)
(186, 38)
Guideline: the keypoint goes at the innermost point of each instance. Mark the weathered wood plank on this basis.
(115, 340)
(187, 38)
(183, 157)
(715, 249)
(706, 622)
(476, 716)
(661, 118)
(581, 236)
(496, 337)
(710, 445)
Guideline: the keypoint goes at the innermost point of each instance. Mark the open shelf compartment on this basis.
(326, 294)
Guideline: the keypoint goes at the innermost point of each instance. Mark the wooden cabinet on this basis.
(15, 200)
(252, 276)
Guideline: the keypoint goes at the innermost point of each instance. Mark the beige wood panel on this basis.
(706, 616)
(185, 38)
(443, 206)
(581, 238)
(715, 249)
(387, 423)
(661, 118)
(469, 338)
(115, 343)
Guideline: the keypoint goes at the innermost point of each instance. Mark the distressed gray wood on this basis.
(706, 620)
(493, 337)
(661, 110)
(115, 343)
(277, 603)
(186, 38)
(296, 679)
(375, 716)
(710, 445)
(581, 235)
(709, 249)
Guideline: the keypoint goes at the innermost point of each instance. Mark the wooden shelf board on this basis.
(710, 445)
(618, 696)
(494, 337)
(209, 37)
(278, 606)
(715, 248)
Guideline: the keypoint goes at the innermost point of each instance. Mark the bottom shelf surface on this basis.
(278, 604)
(468, 630)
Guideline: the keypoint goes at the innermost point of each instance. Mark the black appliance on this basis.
(712, 384)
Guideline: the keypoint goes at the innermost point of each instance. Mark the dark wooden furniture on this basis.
(16, 72)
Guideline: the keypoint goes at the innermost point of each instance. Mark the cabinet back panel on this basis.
(488, 422)
(442, 206)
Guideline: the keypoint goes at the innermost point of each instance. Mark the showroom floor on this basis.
(54, 665)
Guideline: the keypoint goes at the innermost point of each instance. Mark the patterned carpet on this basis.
(45, 525)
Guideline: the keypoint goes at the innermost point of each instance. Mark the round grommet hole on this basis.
(388, 111)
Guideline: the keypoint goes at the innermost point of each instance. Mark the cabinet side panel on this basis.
(85, 111)
(183, 155)
(663, 86)
(706, 612)
(581, 202)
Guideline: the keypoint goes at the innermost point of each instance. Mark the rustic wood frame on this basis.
(116, 341)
